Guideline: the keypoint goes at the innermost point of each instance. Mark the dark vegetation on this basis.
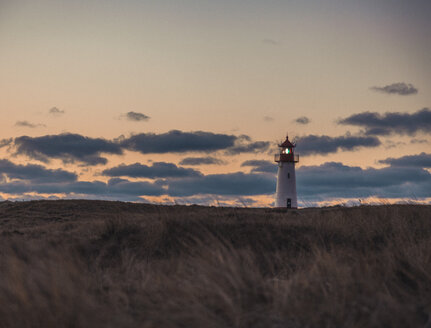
(112, 264)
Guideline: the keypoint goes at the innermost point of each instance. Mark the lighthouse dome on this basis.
(287, 143)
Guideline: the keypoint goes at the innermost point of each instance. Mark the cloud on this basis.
(122, 198)
(335, 180)
(329, 180)
(125, 187)
(176, 141)
(196, 200)
(28, 124)
(271, 42)
(34, 173)
(260, 166)
(243, 144)
(402, 89)
(223, 184)
(315, 183)
(72, 148)
(68, 147)
(179, 182)
(389, 144)
(422, 160)
(391, 122)
(118, 188)
(201, 161)
(136, 117)
(419, 141)
(5, 142)
(216, 200)
(27, 198)
(56, 112)
(322, 145)
(157, 170)
(303, 120)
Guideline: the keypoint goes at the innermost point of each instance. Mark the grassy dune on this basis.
(109, 264)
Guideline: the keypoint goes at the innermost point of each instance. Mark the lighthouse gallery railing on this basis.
(286, 157)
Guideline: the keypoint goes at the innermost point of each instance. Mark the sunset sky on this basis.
(184, 102)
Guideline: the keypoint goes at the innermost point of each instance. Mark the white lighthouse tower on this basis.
(286, 180)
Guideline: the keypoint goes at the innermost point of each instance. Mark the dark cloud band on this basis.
(335, 180)
(421, 160)
(249, 147)
(391, 123)
(323, 182)
(192, 161)
(114, 188)
(71, 148)
(323, 145)
(176, 141)
(260, 166)
(34, 173)
(157, 170)
(66, 147)
(223, 184)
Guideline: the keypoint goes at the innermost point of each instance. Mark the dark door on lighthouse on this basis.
(289, 203)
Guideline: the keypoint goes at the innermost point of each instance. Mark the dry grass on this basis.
(108, 264)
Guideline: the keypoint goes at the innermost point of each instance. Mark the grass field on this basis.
(112, 264)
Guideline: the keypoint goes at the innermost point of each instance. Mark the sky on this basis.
(184, 102)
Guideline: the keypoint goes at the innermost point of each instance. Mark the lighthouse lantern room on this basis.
(286, 179)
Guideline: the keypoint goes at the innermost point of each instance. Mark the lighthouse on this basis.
(286, 180)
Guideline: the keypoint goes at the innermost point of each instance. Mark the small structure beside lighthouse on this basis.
(286, 179)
